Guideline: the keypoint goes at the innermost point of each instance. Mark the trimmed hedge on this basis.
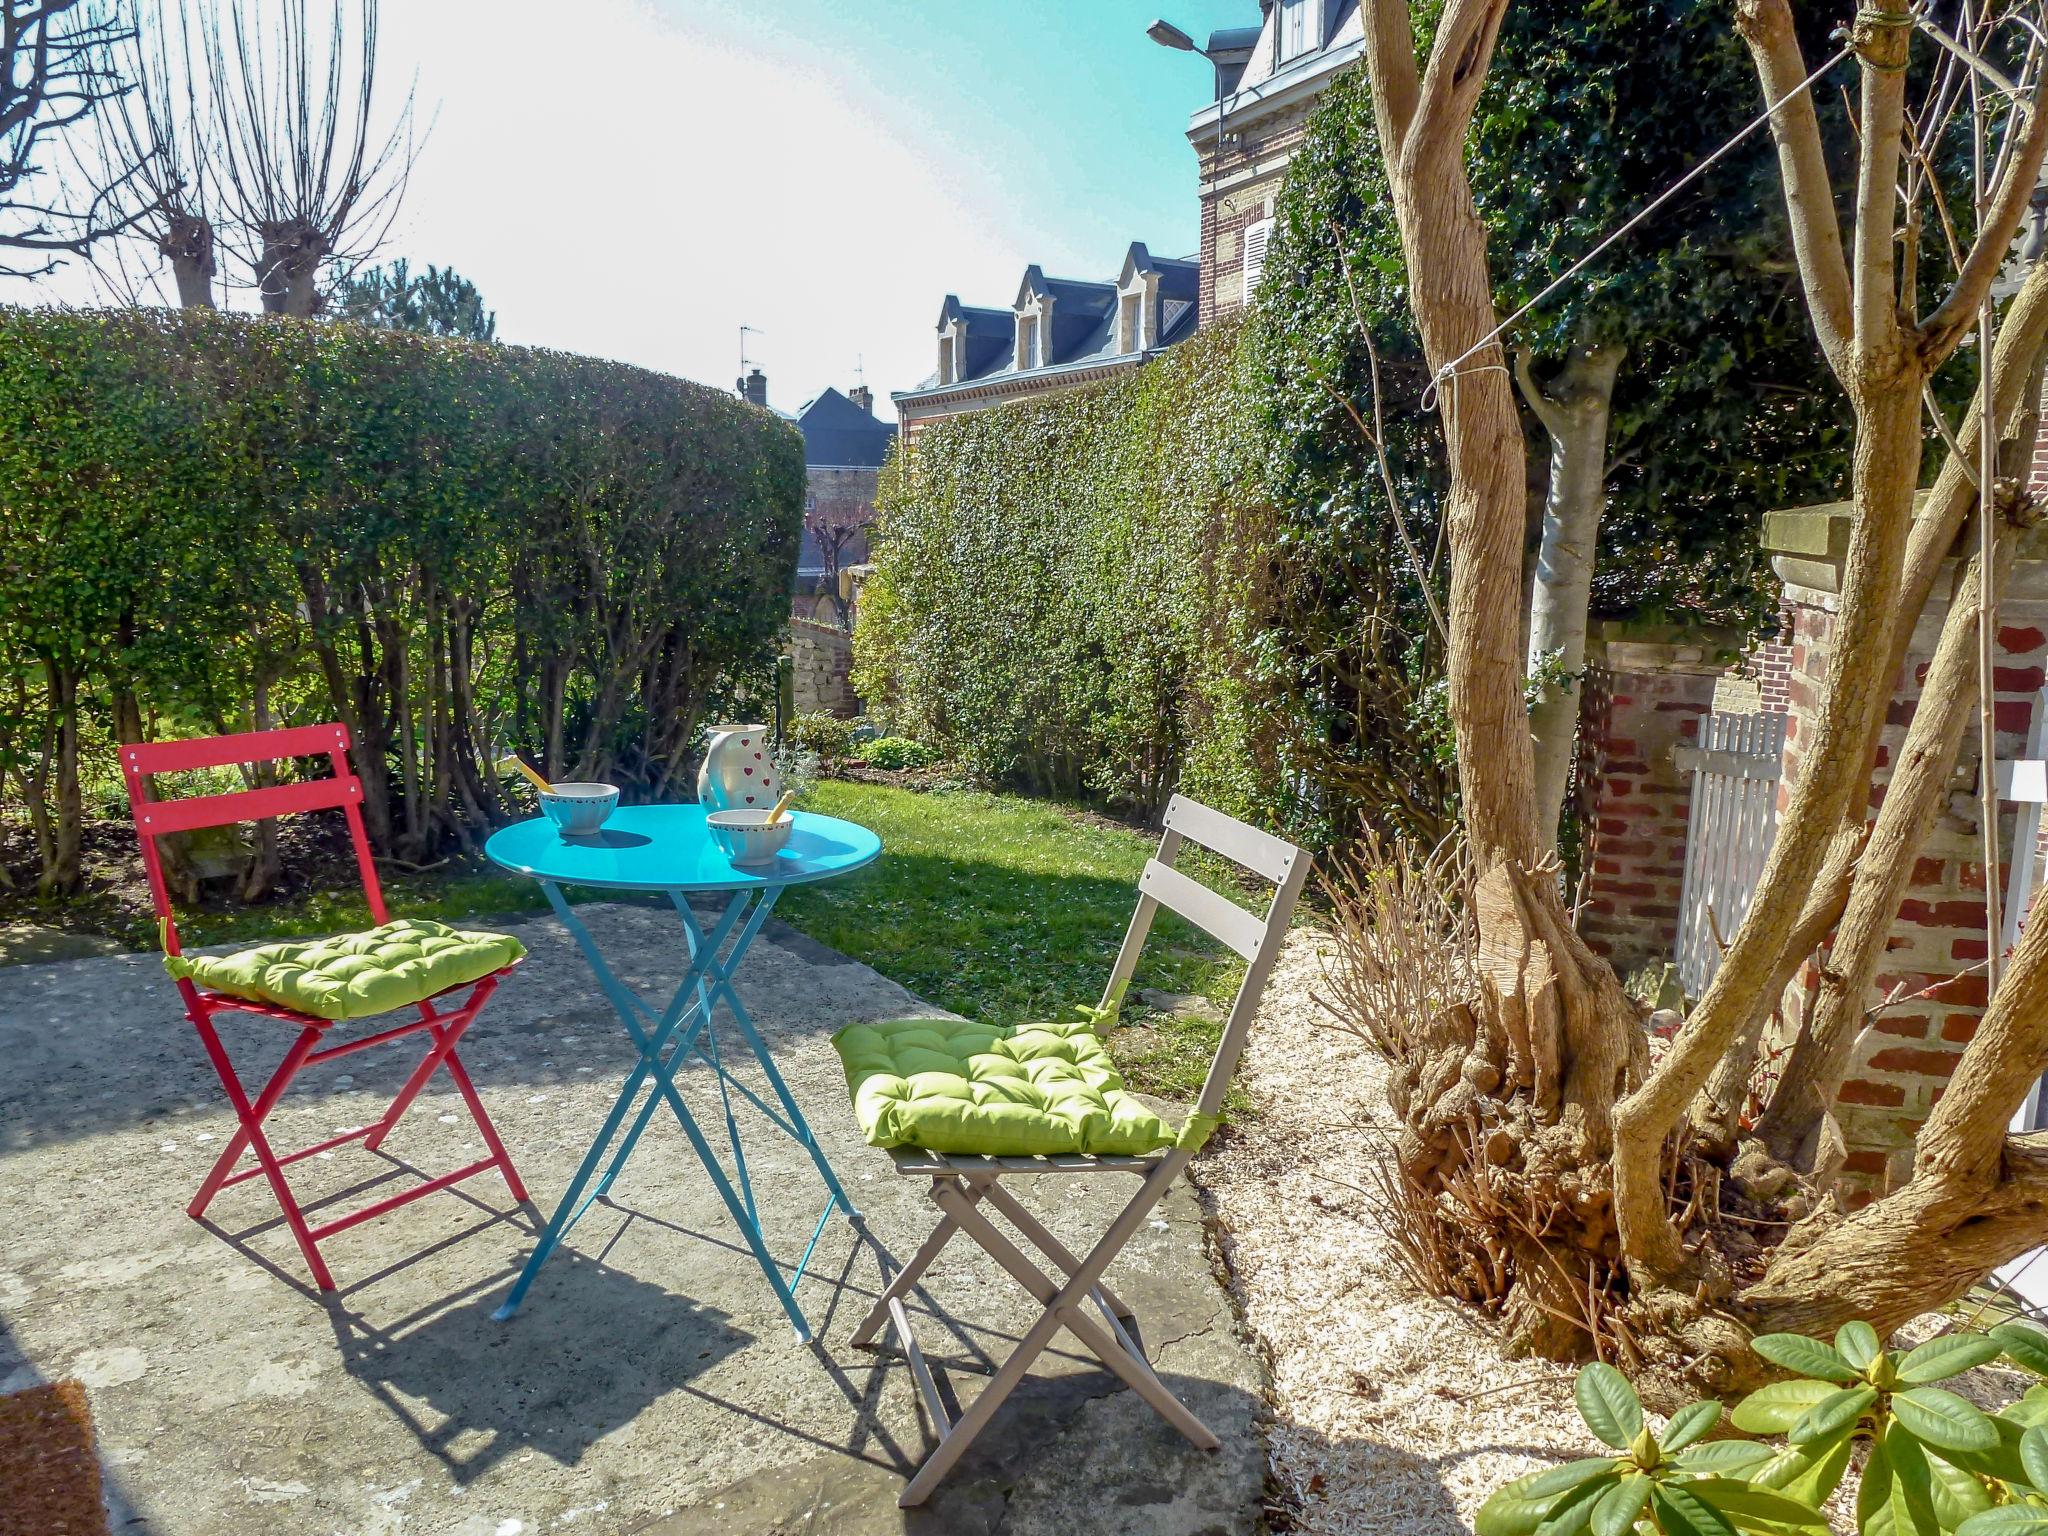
(1066, 591)
(218, 522)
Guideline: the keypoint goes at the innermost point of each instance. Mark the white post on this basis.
(2026, 783)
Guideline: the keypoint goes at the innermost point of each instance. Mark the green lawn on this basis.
(995, 906)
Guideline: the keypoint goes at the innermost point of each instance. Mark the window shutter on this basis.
(1256, 238)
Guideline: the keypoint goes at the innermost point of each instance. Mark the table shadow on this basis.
(592, 1350)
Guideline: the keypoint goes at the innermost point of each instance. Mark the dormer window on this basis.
(949, 361)
(1297, 32)
(1130, 314)
(1030, 348)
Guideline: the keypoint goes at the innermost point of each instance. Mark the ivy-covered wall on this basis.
(1196, 570)
(219, 522)
(1068, 590)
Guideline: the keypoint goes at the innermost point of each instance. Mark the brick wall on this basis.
(1644, 697)
(1933, 964)
(822, 658)
(1239, 188)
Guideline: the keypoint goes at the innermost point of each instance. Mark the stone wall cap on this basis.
(1809, 546)
(1821, 531)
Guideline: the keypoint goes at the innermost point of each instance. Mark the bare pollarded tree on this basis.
(163, 125)
(1595, 1196)
(57, 70)
(257, 125)
(301, 176)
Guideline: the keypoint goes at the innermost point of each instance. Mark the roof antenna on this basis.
(745, 332)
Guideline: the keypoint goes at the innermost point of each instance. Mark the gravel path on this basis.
(1394, 1413)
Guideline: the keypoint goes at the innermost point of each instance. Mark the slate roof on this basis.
(1084, 323)
(840, 433)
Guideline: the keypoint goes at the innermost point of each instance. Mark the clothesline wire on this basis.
(1449, 369)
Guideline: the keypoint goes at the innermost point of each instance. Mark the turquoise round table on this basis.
(668, 849)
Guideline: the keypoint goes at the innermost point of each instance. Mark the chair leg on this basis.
(1063, 1308)
(1021, 1218)
(1063, 1304)
(910, 1273)
(251, 1136)
(971, 1423)
(513, 1183)
(444, 1034)
(245, 1112)
(440, 1054)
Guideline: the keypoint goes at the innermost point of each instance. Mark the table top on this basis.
(668, 848)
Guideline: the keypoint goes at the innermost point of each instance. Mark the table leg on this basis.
(721, 986)
(650, 1047)
(686, 1019)
(697, 943)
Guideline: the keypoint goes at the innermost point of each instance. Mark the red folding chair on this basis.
(156, 818)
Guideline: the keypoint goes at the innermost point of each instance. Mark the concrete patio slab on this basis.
(649, 1385)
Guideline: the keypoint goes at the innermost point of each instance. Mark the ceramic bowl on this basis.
(748, 837)
(580, 809)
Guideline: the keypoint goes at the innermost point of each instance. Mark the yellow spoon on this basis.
(781, 806)
(514, 760)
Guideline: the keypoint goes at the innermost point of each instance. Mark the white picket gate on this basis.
(1735, 770)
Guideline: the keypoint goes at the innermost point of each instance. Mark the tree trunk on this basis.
(64, 871)
(1574, 407)
(289, 267)
(187, 244)
(1555, 1040)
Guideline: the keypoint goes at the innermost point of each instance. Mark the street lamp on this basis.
(1167, 35)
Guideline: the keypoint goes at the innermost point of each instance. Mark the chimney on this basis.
(754, 388)
(863, 397)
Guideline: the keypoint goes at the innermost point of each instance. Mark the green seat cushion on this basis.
(952, 1085)
(353, 975)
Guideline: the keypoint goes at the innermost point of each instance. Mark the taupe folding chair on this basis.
(994, 1061)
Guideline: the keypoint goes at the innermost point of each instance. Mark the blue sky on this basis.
(642, 183)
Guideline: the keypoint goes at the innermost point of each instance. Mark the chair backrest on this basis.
(156, 818)
(1257, 940)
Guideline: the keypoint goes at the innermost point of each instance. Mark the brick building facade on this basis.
(1647, 693)
(1932, 989)
(1267, 80)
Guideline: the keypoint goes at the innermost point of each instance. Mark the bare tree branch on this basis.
(298, 177)
(2007, 206)
(57, 69)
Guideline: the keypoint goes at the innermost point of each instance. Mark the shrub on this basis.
(900, 752)
(1935, 1464)
(219, 522)
(826, 736)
